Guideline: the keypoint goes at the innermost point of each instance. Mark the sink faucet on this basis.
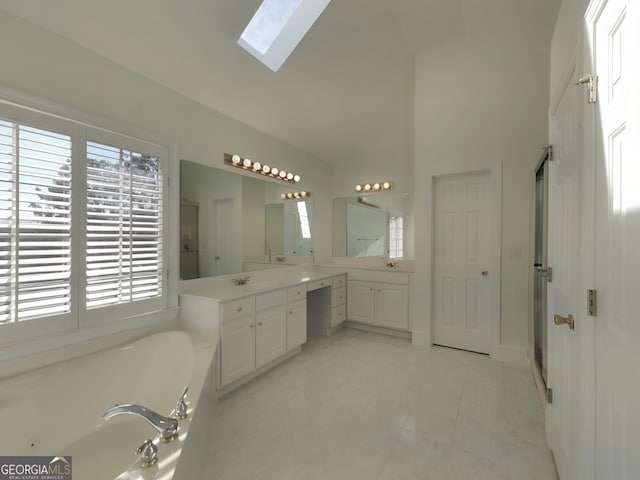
(241, 281)
(166, 427)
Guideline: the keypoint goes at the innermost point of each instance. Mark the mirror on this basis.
(288, 228)
(225, 218)
(376, 225)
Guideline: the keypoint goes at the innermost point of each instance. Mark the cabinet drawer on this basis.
(340, 281)
(339, 296)
(237, 308)
(319, 284)
(338, 315)
(269, 300)
(298, 292)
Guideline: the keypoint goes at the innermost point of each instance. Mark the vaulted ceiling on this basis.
(353, 66)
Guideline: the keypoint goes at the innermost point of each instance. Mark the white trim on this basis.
(495, 170)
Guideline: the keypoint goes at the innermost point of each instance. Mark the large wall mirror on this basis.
(378, 225)
(230, 223)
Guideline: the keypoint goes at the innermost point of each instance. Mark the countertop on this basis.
(222, 289)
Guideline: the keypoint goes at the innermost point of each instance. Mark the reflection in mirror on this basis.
(375, 225)
(223, 222)
(288, 228)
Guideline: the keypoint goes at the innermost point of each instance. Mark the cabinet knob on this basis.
(340, 297)
(290, 312)
(251, 325)
(260, 324)
(371, 289)
(379, 290)
(239, 309)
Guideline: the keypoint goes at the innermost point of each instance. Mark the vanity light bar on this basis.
(295, 195)
(374, 187)
(257, 167)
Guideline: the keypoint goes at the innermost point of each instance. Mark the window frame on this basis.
(79, 317)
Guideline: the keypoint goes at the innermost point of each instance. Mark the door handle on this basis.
(568, 320)
(545, 272)
(484, 273)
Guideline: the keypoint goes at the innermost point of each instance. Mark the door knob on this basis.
(484, 273)
(560, 320)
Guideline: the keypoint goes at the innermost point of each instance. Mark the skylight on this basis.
(277, 27)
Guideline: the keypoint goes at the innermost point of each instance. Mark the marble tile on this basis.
(359, 405)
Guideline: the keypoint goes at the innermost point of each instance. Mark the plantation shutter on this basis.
(124, 226)
(35, 222)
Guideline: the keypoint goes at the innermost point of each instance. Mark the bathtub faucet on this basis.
(166, 427)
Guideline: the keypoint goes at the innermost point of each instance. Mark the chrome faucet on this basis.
(241, 281)
(166, 427)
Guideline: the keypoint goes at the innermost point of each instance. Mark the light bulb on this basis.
(386, 185)
(296, 194)
(247, 163)
(303, 194)
(235, 159)
(289, 176)
(282, 174)
(376, 186)
(367, 187)
(283, 196)
(289, 195)
(266, 168)
(274, 171)
(257, 166)
(296, 178)
(358, 188)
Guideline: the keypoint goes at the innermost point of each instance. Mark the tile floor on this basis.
(358, 405)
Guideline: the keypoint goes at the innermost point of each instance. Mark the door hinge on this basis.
(549, 393)
(549, 149)
(591, 81)
(592, 302)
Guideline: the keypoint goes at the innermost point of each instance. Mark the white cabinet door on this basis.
(271, 335)
(360, 301)
(296, 324)
(237, 349)
(391, 306)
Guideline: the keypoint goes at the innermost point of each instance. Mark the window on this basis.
(277, 27)
(305, 228)
(81, 225)
(124, 226)
(35, 222)
(396, 236)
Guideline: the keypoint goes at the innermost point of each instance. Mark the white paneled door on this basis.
(462, 257)
(564, 257)
(225, 250)
(615, 41)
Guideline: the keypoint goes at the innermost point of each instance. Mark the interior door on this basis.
(462, 256)
(615, 28)
(564, 257)
(225, 251)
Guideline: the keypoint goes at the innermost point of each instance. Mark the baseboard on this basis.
(514, 355)
(374, 329)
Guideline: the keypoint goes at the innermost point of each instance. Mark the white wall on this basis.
(48, 67)
(481, 101)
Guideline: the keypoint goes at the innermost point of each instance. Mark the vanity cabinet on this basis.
(254, 332)
(379, 304)
(238, 340)
(339, 301)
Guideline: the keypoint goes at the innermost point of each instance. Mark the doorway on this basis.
(462, 283)
(540, 267)
(224, 235)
